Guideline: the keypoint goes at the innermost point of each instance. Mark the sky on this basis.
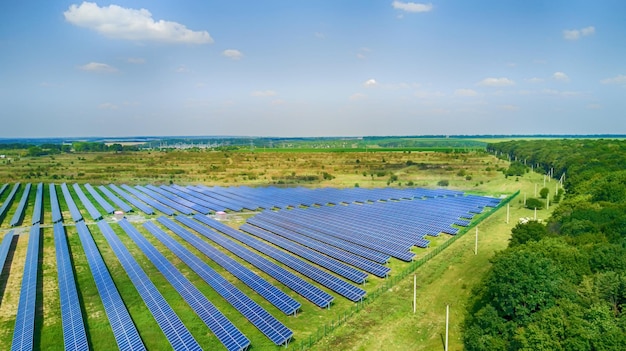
(311, 68)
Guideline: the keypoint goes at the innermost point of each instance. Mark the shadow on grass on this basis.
(6, 270)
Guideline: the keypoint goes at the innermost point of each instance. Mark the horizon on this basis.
(311, 68)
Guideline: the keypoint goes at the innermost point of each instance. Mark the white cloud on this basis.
(263, 93)
(411, 6)
(278, 102)
(98, 67)
(466, 92)
(181, 69)
(575, 34)
(370, 83)
(357, 96)
(618, 79)
(496, 82)
(534, 80)
(560, 93)
(362, 54)
(136, 60)
(427, 95)
(560, 76)
(118, 22)
(233, 54)
(107, 106)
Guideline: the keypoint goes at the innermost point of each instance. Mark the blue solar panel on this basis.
(54, 204)
(19, 212)
(272, 294)
(163, 201)
(292, 281)
(4, 248)
(93, 212)
(74, 336)
(227, 333)
(38, 209)
(175, 331)
(3, 188)
(196, 198)
(99, 199)
(120, 204)
(25, 319)
(181, 202)
(330, 281)
(138, 204)
(8, 201)
(124, 331)
(76, 216)
(147, 199)
(265, 322)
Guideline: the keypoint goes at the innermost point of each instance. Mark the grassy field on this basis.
(448, 278)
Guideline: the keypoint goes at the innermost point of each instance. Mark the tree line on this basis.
(560, 285)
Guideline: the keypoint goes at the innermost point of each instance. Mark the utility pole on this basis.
(414, 293)
(476, 243)
(508, 211)
(447, 323)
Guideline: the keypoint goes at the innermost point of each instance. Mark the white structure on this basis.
(221, 215)
(119, 215)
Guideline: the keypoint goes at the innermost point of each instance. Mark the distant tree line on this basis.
(560, 285)
(79, 146)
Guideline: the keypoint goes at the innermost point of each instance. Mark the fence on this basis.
(328, 328)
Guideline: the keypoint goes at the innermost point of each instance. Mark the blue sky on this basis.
(311, 68)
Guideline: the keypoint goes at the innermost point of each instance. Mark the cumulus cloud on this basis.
(466, 92)
(496, 82)
(411, 6)
(232, 54)
(575, 34)
(560, 76)
(618, 79)
(98, 67)
(370, 83)
(118, 22)
(181, 69)
(136, 60)
(263, 93)
(357, 96)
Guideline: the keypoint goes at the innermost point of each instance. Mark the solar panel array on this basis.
(74, 212)
(38, 208)
(4, 248)
(121, 204)
(182, 204)
(147, 199)
(108, 208)
(272, 294)
(124, 331)
(54, 204)
(259, 317)
(8, 201)
(74, 336)
(227, 333)
(19, 212)
(175, 331)
(23, 336)
(133, 201)
(91, 209)
(328, 280)
(3, 188)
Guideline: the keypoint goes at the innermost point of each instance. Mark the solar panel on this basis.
(3, 188)
(38, 208)
(147, 199)
(330, 281)
(121, 204)
(135, 202)
(99, 199)
(124, 331)
(25, 320)
(164, 201)
(93, 212)
(4, 248)
(74, 336)
(8, 201)
(54, 204)
(74, 212)
(181, 202)
(227, 333)
(19, 212)
(269, 292)
(259, 317)
(175, 331)
(294, 282)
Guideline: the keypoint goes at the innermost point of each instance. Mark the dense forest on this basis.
(560, 285)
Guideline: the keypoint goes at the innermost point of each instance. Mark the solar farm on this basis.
(200, 267)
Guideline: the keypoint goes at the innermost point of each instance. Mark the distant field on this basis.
(474, 171)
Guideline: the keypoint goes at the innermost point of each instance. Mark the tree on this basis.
(543, 193)
(443, 182)
(525, 232)
(533, 203)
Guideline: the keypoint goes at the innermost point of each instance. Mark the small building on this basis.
(119, 215)
(221, 215)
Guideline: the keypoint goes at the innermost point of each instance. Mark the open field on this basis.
(421, 168)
